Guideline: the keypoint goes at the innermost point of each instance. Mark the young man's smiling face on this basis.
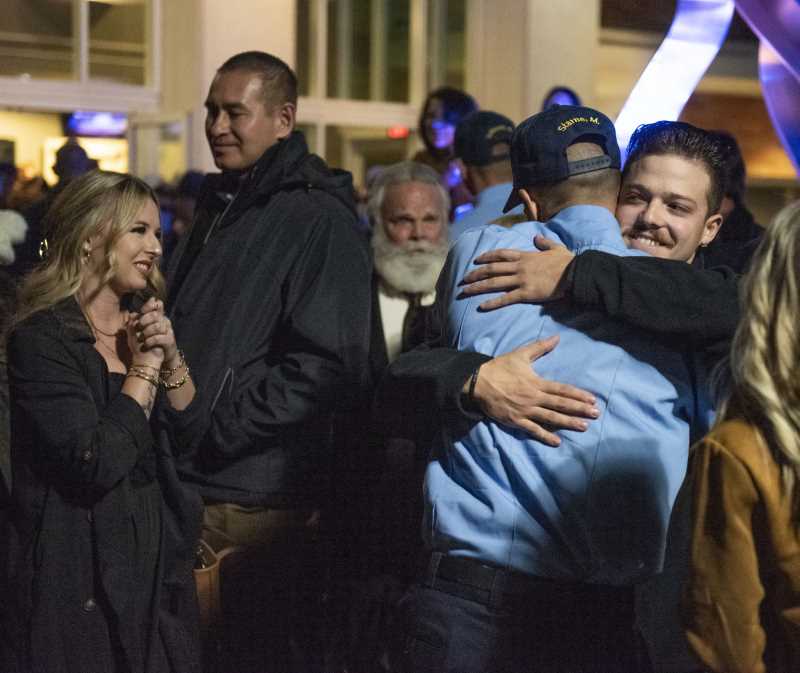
(663, 206)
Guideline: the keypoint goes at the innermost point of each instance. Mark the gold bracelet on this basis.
(138, 366)
(166, 372)
(138, 373)
(178, 383)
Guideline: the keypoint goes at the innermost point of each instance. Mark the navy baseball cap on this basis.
(539, 146)
(477, 135)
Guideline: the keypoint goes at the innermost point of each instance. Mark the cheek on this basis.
(433, 232)
(626, 216)
(397, 234)
(687, 233)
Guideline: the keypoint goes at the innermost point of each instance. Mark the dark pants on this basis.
(499, 622)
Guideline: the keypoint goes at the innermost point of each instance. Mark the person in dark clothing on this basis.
(740, 233)
(7, 307)
(100, 545)
(71, 162)
(442, 111)
(270, 294)
(8, 176)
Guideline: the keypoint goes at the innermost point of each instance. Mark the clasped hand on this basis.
(150, 335)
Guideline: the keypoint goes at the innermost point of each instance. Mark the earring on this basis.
(87, 253)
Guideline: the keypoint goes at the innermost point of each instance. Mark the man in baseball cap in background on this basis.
(534, 551)
(482, 149)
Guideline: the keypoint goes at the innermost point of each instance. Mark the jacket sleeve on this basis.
(723, 625)
(657, 295)
(426, 383)
(73, 440)
(317, 362)
(660, 295)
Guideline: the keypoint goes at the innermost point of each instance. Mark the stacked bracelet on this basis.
(161, 376)
(142, 374)
(177, 384)
(166, 372)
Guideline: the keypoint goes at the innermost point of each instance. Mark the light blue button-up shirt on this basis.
(488, 207)
(596, 508)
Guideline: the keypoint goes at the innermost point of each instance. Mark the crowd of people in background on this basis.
(534, 420)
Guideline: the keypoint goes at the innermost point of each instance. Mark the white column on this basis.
(344, 48)
(318, 71)
(80, 40)
(437, 49)
(418, 52)
(561, 47)
(516, 50)
(378, 31)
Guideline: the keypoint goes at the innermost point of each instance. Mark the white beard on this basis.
(412, 267)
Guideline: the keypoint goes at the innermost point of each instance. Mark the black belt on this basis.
(489, 585)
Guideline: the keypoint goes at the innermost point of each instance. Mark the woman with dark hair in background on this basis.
(743, 597)
(560, 95)
(444, 108)
(99, 549)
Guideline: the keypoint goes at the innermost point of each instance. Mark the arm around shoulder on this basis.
(659, 295)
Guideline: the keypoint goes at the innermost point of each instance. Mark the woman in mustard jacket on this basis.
(742, 604)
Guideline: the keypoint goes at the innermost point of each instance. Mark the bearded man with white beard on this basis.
(382, 478)
(408, 211)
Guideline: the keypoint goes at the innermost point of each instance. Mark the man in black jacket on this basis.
(270, 294)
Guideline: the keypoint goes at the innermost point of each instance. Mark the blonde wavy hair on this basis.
(99, 203)
(763, 373)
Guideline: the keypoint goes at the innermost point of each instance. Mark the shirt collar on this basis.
(581, 226)
(494, 193)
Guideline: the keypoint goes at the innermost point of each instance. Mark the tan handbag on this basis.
(211, 555)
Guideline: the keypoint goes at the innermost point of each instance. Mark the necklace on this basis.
(112, 351)
(96, 329)
(99, 331)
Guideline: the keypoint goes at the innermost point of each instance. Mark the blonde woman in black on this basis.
(101, 538)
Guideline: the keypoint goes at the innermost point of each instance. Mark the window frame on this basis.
(83, 92)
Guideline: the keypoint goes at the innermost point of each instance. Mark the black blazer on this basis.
(69, 556)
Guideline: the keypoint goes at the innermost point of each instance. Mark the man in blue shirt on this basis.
(481, 148)
(535, 549)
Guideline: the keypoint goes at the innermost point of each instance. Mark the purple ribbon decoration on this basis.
(694, 39)
(777, 24)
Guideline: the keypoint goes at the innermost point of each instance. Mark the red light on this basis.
(397, 132)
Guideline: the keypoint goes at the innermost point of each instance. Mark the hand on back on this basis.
(509, 391)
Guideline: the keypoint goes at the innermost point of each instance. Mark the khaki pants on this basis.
(271, 591)
(245, 526)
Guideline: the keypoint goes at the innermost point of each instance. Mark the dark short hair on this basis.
(278, 80)
(735, 172)
(683, 140)
(456, 105)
